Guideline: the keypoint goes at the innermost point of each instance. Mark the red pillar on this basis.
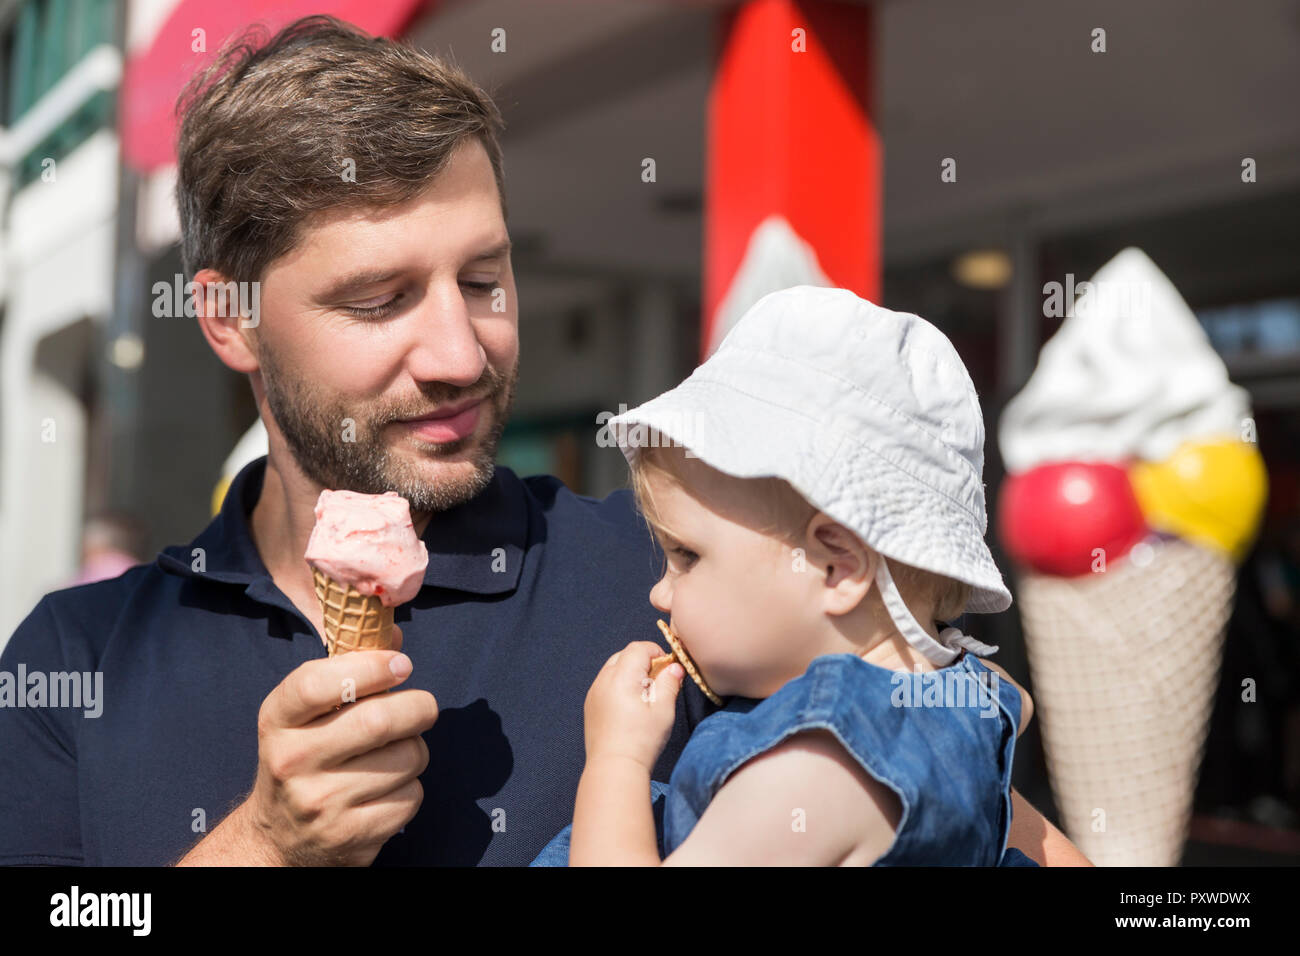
(792, 148)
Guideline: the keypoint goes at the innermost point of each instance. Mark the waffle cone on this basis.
(353, 621)
(1125, 665)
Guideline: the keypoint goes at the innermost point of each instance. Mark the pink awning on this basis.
(153, 79)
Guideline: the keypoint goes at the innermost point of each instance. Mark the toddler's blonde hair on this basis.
(784, 513)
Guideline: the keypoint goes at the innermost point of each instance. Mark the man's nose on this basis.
(443, 346)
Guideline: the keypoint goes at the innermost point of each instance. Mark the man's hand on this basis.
(338, 762)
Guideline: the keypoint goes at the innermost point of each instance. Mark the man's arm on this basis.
(233, 842)
(1037, 839)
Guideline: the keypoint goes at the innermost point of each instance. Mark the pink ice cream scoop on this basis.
(369, 542)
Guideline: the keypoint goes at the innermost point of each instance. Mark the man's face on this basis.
(344, 386)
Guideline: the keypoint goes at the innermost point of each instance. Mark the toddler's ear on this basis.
(848, 565)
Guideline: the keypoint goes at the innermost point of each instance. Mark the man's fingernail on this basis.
(400, 665)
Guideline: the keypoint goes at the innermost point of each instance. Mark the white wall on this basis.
(59, 270)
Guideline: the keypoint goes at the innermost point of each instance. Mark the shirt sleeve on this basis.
(40, 820)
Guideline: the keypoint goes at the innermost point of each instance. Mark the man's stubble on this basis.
(316, 428)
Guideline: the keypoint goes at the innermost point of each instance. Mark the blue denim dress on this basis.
(942, 740)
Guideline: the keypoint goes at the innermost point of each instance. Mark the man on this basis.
(360, 185)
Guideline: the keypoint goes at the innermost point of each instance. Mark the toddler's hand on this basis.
(628, 714)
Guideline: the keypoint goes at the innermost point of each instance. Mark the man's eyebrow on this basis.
(356, 281)
(495, 252)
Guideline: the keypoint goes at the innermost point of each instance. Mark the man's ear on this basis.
(847, 566)
(223, 327)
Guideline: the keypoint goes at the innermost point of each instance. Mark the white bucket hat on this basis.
(869, 414)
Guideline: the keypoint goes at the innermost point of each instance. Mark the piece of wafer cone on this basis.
(658, 664)
(353, 621)
(1125, 665)
(680, 655)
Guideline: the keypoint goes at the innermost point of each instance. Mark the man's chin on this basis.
(437, 462)
(436, 482)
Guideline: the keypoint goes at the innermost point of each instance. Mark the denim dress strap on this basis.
(942, 740)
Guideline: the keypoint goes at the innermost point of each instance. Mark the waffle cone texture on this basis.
(1125, 665)
(679, 654)
(353, 621)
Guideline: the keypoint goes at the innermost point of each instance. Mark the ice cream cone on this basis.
(1125, 665)
(353, 621)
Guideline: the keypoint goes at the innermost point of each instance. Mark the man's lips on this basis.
(445, 425)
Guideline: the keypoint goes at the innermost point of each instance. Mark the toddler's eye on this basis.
(686, 554)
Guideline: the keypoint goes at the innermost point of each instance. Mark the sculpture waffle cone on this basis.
(353, 621)
(1125, 665)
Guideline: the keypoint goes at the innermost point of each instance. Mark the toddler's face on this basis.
(745, 614)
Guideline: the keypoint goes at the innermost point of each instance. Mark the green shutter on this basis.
(50, 37)
(22, 76)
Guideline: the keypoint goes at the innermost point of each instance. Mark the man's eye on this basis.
(387, 308)
(374, 312)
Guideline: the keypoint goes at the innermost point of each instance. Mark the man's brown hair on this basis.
(267, 130)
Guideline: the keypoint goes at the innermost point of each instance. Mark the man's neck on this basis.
(282, 521)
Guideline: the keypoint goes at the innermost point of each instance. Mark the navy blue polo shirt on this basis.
(529, 589)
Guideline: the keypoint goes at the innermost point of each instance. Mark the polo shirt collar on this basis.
(462, 542)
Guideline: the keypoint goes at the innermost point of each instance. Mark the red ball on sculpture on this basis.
(1060, 518)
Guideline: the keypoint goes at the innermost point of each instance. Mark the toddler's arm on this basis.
(798, 804)
(613, 823)
(1037, 839)
(1026, 702)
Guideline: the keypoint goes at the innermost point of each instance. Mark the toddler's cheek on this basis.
(727, 674)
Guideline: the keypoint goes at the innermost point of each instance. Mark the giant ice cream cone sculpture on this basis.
(1134, 486)
(365, 560)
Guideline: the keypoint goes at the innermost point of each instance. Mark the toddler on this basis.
(816, 487)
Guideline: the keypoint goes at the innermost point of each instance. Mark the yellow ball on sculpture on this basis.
(219, 494)
(1211, 493)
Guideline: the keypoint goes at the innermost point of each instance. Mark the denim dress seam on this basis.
(1008, 748)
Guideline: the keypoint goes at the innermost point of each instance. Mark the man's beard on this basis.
(356, 458)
